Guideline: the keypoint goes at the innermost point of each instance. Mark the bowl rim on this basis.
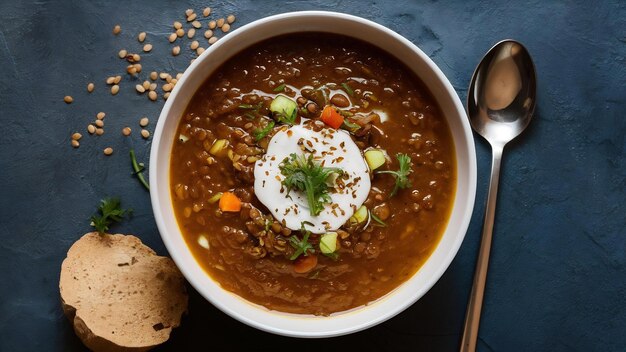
(293, 324)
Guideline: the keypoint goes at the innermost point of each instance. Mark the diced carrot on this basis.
(331, 117)
(230, 202)
(305, 263)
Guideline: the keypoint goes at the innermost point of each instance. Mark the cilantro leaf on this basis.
(260, 133)
(110, 211)
(308, 176)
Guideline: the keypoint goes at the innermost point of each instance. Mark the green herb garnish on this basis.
(280, 88)
(308, 176)
(287, 119)
(402, 175)
(260, 133)
(139, 168)
(348, 89)
(110, 211)
(302, 246)
(253, 110)
(350, 126)
(378, 220)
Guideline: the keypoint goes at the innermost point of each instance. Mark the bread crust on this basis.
(119, 295)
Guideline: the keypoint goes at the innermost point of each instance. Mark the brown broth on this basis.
(371, 262)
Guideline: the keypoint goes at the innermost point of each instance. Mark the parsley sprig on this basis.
(110, 210)
(302, 246)
(402, 175)
(306, 175)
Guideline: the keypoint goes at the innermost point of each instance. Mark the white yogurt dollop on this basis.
(331, 148)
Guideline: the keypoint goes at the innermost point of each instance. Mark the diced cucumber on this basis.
(328, 243)
(218, 146)
(375, 158)
(360, 215)
(283, 106)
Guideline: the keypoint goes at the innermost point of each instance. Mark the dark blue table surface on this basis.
(557, 280)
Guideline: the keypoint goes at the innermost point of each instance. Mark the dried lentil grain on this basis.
(178, 25)
(152, 95)
(91, 129)
(139, 88)
(99, 123)
(199, 51)
(166, 95)
(144, 122)
(225, 27)
(176, 50)
(76, 136)
(145, 134)
(99, 131)
(68, 99)
(117, 29)
(208, 33)
(180, 32)
(196, 24)
(167, 87)
(230, 18)
(100, 115)
(172, 37)
(147, 48)
(146, 85)
(212, 40)
(131, 70)
(141, 37)
(115, 89)
(153, 86)
(126, 131)
(194, 45)
(191, 17)
(188, 12)
(220, 22)
(75, 143)
(153, 75)
(191, 32)
(212, 24)
(108, 151)
(163, 75)
(117, 79)
(136, 57)
(206, 12)
(110, 80)
(137, 67)
(90, 87)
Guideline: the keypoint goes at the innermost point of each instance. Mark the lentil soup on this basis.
(313, 173)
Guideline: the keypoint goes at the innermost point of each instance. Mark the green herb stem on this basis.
(138, 170)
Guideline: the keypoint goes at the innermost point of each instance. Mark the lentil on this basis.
(199, 51)
(206, 12)
(126, 131)
(180, 32)
(194, 45)
(212, 40)
(91, 129)
(196, 24)
(230, 19)
(75, 143)
(140, 88)
(191, 17)
(167, 87)
(117, 29)
(152, 95)
(153, 86)
(100, 115)
(99, 123)
(172, 37)
(146, 85)
(225, 27)
(110, 80)
(212, 24)
(153, 75)
(99, 131)
(141, 37)
(115, 89)
(147, 48)
(166, 95)
(145, 134)
(191, 32)
(68, 99)
(76, 136)
(108, 151)
(220, 22)
(117, 79)
(208, 33)
(178, 25)
(90, 87)
(144, 122)
(176, 50)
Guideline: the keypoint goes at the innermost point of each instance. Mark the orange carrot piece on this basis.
(230, 202)
(304, 264)
(331, 117)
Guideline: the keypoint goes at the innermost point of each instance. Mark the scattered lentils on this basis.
(208, 34)
(172, 37)
(225, 27)
(178, 25)
(115, 89)
(212, 40)
(212, 24)
(99, 123)
(153, 75)
(139, 88)
(147, 48)
(90, 87)
(117, 29)
(145, 134)
(206, 12)
(230, 18)
(194, 45)
(91, 129)
(126, 131)
(68, 99)
(191, 32)
(108, 151)
(76, 136)
(100, 115)
(180, 32)
(176, 50)
(99, 131)
(141, 37)
(152, 95)
(75, 143)
(220, 22)
(196, 24)
(144, 122)
(122, 53)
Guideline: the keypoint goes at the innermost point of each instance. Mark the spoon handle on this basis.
(472, 317)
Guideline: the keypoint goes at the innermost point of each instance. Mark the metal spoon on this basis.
(500, 104)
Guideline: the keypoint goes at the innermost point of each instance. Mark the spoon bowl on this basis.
(500, 105)
(501, 97)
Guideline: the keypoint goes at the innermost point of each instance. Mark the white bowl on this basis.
(358, 318)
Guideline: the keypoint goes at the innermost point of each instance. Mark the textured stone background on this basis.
(557, 280)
